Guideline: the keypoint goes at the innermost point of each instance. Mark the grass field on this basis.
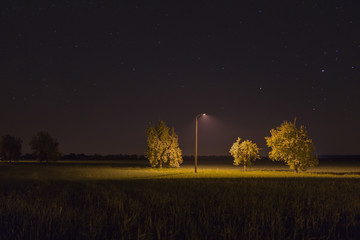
(114, 201)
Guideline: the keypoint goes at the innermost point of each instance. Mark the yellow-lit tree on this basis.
(244, 153)
(163, 147)
(293, 146)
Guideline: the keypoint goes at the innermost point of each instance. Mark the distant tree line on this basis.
(45, 148)
(208, 158)
(81, 156)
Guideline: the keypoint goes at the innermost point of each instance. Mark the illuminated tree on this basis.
(10, 148)
(293, 146)
(45, 147)
(163, 147)
(244, 153)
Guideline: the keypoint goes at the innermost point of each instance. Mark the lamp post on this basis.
(196, 137)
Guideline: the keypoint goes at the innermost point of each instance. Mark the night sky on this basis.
(94, 74)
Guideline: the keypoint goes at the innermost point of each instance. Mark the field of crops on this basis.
(106, 201)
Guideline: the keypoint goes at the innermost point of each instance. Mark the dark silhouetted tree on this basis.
(10, 148)
(163, 147)
(293, 146)
(45, 147)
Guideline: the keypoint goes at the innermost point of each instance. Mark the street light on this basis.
(196, 137)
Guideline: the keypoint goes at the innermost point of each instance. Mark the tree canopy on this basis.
(244, 153)
(163, 147)
(10, 148)
(293, 146)
(45, 147)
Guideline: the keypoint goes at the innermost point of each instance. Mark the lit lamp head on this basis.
(200, 115)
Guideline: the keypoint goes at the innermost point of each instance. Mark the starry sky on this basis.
(94, 74)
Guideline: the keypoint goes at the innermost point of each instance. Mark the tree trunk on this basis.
(296, 169)
(160, 164)
(244, 168)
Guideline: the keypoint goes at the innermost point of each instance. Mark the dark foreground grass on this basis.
(242, 208)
